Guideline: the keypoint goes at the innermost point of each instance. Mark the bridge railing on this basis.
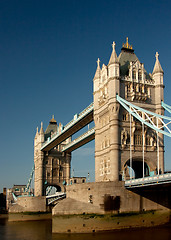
(79, 116)
(52, 198)
(157, 179)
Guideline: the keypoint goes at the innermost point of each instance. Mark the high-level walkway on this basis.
(78, 122)
(80, 141)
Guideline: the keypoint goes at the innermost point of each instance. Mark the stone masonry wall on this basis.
(29, 204)
(110, 196)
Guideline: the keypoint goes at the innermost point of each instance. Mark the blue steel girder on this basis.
(166, 107)
(49, 188)
(148, 118)
(30, 180)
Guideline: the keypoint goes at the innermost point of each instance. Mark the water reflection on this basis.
(41, 230)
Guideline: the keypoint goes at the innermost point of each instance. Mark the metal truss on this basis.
(48, 190)
(30, 180)
(166, 107)
(159, 123)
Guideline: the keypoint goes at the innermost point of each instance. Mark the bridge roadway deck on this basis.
(80, 121)
(149, 181)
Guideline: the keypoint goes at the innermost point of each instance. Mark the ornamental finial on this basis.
(157, 55)
(98, 62)
(127, 45)
(113, 45)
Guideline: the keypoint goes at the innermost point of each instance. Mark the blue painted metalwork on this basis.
(30, 180)
(166, 106)
(14, 197)
(149, 116)
(48, 189)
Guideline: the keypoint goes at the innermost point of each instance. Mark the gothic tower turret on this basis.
(106, 109)
(158, 79)
(38, 161)
(159, 96)
(118, 135)
(113, 65)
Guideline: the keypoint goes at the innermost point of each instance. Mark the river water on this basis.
(42, 230)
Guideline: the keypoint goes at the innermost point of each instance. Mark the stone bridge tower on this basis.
(51, 168)
(125, 75)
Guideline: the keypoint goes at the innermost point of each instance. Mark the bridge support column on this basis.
(38, 187)
(68, 167)
(114, 149)
(38, 162)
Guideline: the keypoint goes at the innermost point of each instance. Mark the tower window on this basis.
(124, 117)
(138, 138)
(139, 75)
(134, 74)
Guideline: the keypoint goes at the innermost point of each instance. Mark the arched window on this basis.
(148, 140)
(138, 137)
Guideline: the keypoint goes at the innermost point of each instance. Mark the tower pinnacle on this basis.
(113, 58)
(41, 129)
(98, 62)
(98, 70)
(157, 66)
(157, 55)
(113, 45)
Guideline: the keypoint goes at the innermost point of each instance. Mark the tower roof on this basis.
(52, 127)
(157, 66)
(113, 57)
(126, 56)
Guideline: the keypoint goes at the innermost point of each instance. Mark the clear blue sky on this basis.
(48, 54)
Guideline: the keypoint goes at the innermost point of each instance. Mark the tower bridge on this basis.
(129, 124)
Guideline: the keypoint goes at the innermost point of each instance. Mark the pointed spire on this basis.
(98, 70)
(41, 129)
(98, 62)
(37, 132)
(157, 66)
(113, 58)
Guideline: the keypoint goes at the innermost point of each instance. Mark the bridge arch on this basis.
(137, 168)
(53, 188)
